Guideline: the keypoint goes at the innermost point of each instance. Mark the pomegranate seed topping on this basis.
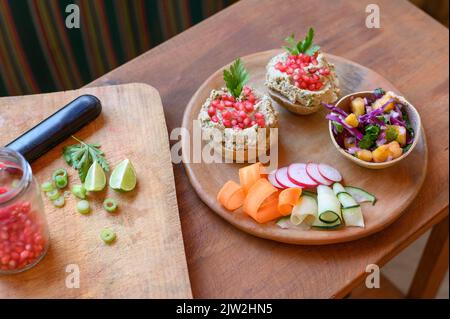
(314, 61)
(303, 85)
(259, 115)
(241, 125)
(283, 68)
(214, 119)
(261, 122)
(249, 107)
(296, 77)
(221, 106)
(253, 123)
(234, 122)
(246, 90)
(251, 98)
(246, 121)
(226, 115)
(312, 87)
(228, 103)
(226, 123)
(315, 77)
(289, 71)
(297, 84)
(215, 103)
(211, 111)
(278, 65)
(294, 66)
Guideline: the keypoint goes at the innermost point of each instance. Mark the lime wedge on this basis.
(123, 177)
(95, 179)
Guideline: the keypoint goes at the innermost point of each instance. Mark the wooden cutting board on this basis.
(147, 260)
(306, 139)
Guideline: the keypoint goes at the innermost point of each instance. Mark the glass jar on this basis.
(24, 235)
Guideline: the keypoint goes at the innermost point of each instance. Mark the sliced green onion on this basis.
(61, 181)
(79, 191)
(110, 205)
(59, 202)
(59, 172)
(53, 194)
(83, 207)
(107, 235)
(47, 186)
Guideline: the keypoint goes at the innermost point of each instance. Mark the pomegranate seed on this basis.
(239, 119)
(226, 115)
(297, 84)
(233, 122)
(242, 114)
(215, 103)
(5, 260)
(213, 118)
(251, 98)
(241, 125)
(305, 78)
(228, 103)
(226, 123)
(211, 111)
(315, 77)
(247, 90)
(12, 264)
(303, 85)
(312, 87)
(261, 122)
(278, 65)
(221, 105)
(249, 107)
(319, 85)
(259, 115)
(314, 61)
(253, 123)
(296, 77)
(294, 66)
(289, 70)
(24, 254)
(15, 255)
(246, 121)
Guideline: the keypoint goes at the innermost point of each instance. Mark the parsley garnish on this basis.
(369, 137)
(391, 134)
(235, 78)
(81, 156)
(304, 46)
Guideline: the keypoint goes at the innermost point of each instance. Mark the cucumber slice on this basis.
(329, 207)
(338, 188)
(353, 216)
(360, 195)
(318, 224)
(284, 222)
(305, 211)
(346, 200)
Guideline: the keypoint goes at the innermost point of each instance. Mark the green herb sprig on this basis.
(370, 136)
(235, 78)
(81, 156)
(304, 46)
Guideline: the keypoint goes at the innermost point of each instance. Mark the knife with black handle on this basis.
(56, 128)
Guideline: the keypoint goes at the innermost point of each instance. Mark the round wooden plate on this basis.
(306, 139)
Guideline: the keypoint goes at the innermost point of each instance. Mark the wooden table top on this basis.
(410, 49)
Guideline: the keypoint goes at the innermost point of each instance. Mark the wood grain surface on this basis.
(147, 260)
(226, 262)
(303, 139)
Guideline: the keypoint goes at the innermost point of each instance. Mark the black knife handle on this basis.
(56, 128)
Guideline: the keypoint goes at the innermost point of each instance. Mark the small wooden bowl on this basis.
(414, 118)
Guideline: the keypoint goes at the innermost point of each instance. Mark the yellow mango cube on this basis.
(382, 101)
(352, 120)
(357, 106)
(381, 154)
(364, 155)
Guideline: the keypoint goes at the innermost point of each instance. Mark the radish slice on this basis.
(273, 180)
(282, 178)
(313, 171)
(297, 174)
(330, 173)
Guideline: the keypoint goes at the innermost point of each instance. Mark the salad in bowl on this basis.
(375, 129)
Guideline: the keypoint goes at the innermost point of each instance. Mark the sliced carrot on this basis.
(248, 175)
(261, 202)
(288, 199)
(231, 195)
